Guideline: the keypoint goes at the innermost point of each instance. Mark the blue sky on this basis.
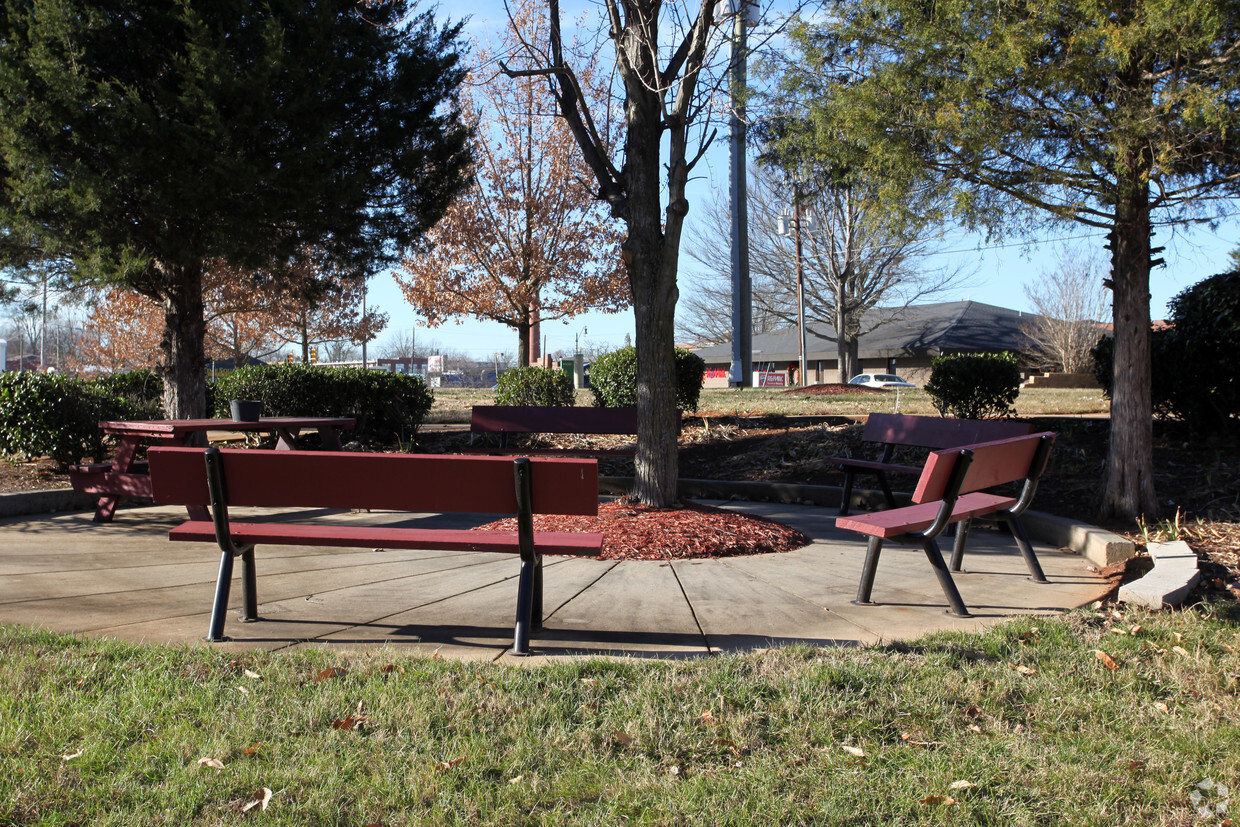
(1001, 270)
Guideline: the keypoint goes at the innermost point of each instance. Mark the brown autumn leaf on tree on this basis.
(310, 304)
(528, 238)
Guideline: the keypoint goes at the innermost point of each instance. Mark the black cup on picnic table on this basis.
(246, 410)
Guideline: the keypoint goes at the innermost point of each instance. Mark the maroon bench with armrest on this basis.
(396, 482)
(934, 432)
(950, 490)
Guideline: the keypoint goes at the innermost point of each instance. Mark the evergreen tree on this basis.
(145, 140)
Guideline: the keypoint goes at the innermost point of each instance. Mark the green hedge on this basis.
(389, 407)
(53, 415)
(544, 387)
(975, 385)
(613, 379)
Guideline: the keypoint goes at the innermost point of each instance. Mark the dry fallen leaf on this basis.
(1024, 670)
(258, 798)
(349, 722)
(447, 765)
(331, 672)
(856, 752)
(250, 750)
(939, 801)
(214, 763)
(1106, 659)
(1162, 707)
(1180, 650)
(622, 739)
(516, 780)
(252, 675)
(71, 756)
(960, 785)
(707, 717)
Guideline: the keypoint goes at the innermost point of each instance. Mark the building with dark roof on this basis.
(905, 345)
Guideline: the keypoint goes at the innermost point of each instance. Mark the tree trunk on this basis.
(523, 340)
(847, 356)
(1128, 482)
(183, 370)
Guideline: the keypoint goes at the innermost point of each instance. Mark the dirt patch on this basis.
(632, 531)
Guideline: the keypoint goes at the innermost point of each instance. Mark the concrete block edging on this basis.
(1101, 548)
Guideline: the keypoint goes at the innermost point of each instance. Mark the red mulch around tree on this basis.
(640, 532)
(833, 389)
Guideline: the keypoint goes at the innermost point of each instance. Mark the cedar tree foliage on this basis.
(1112, 114)
(147, 139)
(528, 240)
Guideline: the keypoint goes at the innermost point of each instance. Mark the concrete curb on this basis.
(1169, 582)
(50, 501)
(1101, 548)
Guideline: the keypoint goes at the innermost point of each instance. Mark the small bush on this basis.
(142, 391)
(544, 387)
(389, 407)
(53, 415)
(613, 379)
(975, 385)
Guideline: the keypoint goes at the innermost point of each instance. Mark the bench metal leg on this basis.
(886, 487)
(529, 605)
(873, 549)
(945, 579)
(249, 585)
(846, 496)
(962, 537)
(219, 610)
(1026, 550)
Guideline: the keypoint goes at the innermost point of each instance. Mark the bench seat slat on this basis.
(547, 542)
(913, 518)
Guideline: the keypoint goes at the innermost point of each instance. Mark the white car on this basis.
(880, 380)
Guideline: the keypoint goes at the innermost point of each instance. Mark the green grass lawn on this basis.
(1093, 718)
(452, 404)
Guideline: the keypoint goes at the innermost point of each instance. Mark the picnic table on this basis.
(125, 477)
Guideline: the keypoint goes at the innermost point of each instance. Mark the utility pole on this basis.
(743, 13)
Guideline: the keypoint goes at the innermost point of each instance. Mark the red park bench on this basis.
(934, 432)
(534, 419)
(950, 490)
(396, 482)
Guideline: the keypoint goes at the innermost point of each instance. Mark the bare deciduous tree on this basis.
(861, 266)
(1069, 300)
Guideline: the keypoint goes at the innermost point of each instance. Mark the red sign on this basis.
(772, 380)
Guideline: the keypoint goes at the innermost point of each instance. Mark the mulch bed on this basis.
(632, 531)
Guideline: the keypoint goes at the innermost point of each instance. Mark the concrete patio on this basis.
(126, 580)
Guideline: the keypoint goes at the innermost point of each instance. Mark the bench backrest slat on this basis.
(994, 463)
(938, 432)
(398, 482)
(532, 419)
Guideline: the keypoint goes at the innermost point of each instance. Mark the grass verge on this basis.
(1026, 724)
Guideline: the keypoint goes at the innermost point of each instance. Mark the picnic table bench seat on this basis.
(366, 481)
(503, 420)
(950, 491)
(894, 431)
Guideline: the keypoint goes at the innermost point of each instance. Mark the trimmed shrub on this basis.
(613, 379)
(389, 407)
(1194, 375)
(142, 391)
(53, 415)
(975, 385)
(544, 387)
